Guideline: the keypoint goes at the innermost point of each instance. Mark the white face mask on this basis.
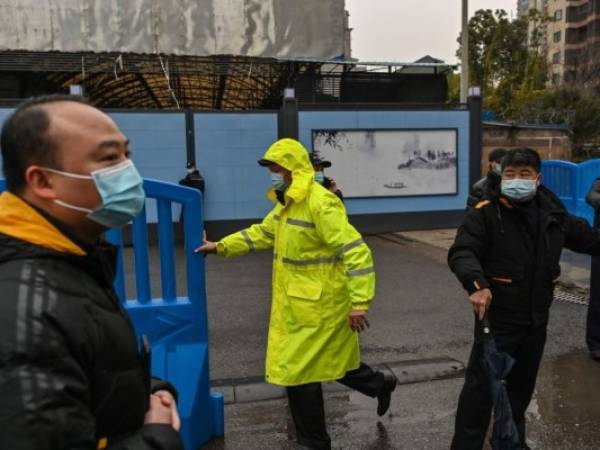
(278, 182)
(519, 190)
(121, 189)
(497, 168)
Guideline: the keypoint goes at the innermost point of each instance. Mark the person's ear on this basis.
(39, 182)
(539, 179)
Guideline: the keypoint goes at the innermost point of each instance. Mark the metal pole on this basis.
(464, 52)
(475, 135)
(288, 116)
(190, 137)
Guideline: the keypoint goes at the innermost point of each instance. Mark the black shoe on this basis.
(595, 355)
(384, 399)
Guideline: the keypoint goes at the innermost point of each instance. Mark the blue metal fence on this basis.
(571, 182)
(177, 327)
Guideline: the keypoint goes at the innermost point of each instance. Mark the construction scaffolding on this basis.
(144, 81)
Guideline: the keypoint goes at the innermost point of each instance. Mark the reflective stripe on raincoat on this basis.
(322, 270)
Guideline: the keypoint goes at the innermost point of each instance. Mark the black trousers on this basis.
(526, 345)
(308, 412)
(592, 332)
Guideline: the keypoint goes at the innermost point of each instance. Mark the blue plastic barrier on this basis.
(560, 177)
(571, 182)
(176, 327)
(588, 171)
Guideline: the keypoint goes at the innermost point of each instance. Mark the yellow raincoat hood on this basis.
(291, 155)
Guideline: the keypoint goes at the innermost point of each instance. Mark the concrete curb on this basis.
(254, 389)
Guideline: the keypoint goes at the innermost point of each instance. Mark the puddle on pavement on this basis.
(567, 390)
(565, 411)
(356, 412)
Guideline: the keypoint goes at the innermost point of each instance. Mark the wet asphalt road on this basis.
(420, 311)
(564, 415)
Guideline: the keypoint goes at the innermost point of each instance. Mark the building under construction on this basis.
(197, 54)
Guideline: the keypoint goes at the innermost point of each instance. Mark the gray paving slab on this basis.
(255, 392)
(426, 370)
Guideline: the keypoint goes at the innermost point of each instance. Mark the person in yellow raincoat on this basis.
(323, 283)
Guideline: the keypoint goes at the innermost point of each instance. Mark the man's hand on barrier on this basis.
(481, 300)
(358, 320)
(168, 401)
(158, 412)
(207, 246)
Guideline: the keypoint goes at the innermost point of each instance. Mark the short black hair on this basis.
(522, 157)
(25, 141)
(497, 154)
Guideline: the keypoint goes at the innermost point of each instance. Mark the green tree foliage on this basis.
(507, 59)
(509, 66)
(576, 106)
(453, 87)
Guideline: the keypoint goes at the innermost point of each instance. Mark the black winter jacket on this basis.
(70, 370)
(494, 249)
(593, 196)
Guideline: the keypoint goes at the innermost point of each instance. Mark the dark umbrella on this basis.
(498, 365)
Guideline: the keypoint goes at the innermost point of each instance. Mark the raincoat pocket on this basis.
(304, 302)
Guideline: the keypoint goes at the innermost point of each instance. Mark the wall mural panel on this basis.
(390, 163)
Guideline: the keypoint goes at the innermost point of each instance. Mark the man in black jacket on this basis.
(506, 255)
(328, 183)
(71, 374)
(489, 184)
(592, 330)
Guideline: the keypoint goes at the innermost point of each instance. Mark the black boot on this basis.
(385, 397)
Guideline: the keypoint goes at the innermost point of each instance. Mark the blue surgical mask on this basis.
(519, 190)
(319, 177)
(278, 182)
(498, 168)
(122, 192)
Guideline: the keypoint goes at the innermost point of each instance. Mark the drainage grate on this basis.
(568, 297)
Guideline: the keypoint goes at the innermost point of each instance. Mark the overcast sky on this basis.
(405, 30)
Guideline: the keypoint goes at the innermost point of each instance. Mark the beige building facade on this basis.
(572, 38)
(556, 31)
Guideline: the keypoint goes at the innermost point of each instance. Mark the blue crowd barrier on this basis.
(558, 176)
(571, 183)
(176, 327)
(587, 171)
